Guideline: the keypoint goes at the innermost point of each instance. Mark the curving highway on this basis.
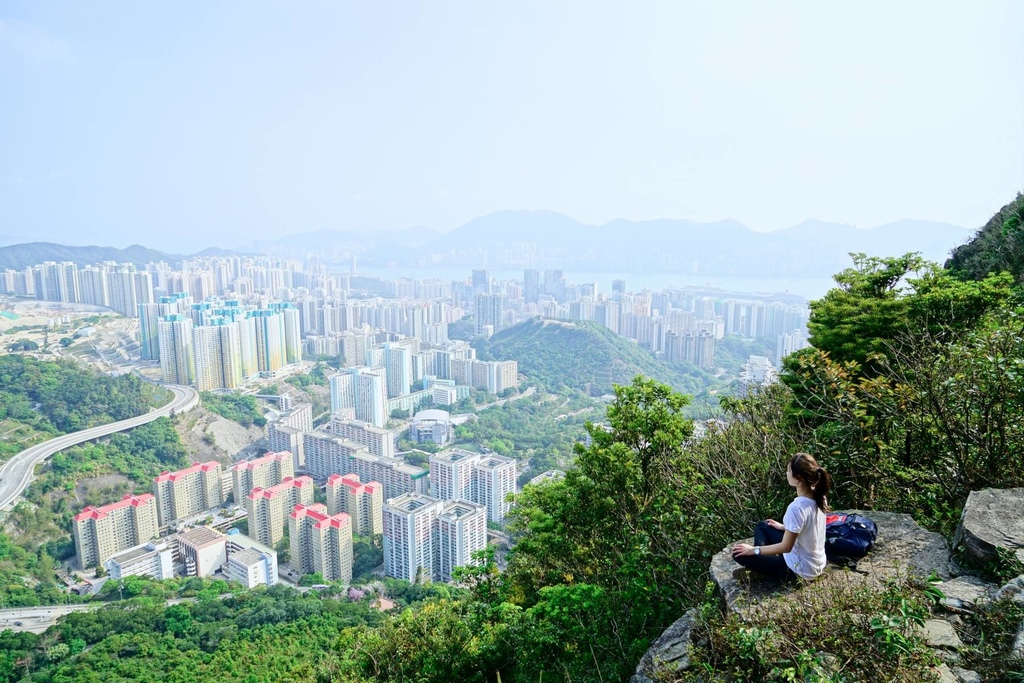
(18, 472)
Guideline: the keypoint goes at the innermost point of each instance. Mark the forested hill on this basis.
(66, 397)
(998, 246)
(19, 256)
(580, 355)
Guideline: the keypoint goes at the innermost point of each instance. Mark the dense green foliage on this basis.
(998, 246)
(240, 408)
(464, 328)
(315, 377)
(62, 396)
(582, 355)
(541, 429)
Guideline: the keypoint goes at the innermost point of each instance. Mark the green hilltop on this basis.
(583, 355)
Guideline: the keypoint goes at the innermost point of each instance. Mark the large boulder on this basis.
(992, 519)
(670, 652)
(902, 546)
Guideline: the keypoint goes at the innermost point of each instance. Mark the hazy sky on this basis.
(181, 125)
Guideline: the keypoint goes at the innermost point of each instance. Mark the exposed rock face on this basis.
(992, 519)
(670, 652)
(940, 633)
(965, 593)
(1014, 590)
(902, 546)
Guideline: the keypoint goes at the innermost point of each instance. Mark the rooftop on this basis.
(201, 536)
(129, 500)
(262, 460)
(196, 467)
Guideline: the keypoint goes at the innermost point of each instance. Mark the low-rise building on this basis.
(250, 562)
(153, 559)
(202, 550)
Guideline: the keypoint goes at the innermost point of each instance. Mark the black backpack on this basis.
(849, 536)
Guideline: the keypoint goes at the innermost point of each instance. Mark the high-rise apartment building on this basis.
(487, 479)
(269, 508)
(494, 480)
(263, 472)
(461, 529)
(189, 491)
(328, 454)
(399, 370)
(177, 353)
(378, 440)
(428, 538)
(409, 536)
(364, 503)
(490, 311)
(100, 532)
(365, 390)
(320, 543)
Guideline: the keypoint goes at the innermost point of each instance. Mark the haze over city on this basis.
(223, 123)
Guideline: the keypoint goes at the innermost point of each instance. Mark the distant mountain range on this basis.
(19, 256)
(547, 239)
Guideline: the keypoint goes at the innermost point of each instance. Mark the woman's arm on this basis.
(784, 546)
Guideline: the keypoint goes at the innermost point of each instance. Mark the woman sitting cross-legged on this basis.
(796, 547)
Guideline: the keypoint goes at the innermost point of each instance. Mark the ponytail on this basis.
(822, 488)
(806, 468)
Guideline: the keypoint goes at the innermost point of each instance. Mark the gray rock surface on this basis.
(946, 675)
(1013, 590)
(670, 652)
(966, 675)
(902, 546)
(940, 633)
(1017, 651)
(964, 593)
(992, 519)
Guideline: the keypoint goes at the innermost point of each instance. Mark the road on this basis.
(37, 619)
(18, 472)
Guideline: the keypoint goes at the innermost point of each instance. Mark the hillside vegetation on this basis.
(912, 396)
(582, 355)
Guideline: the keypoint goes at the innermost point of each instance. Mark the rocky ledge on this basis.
(991, 519)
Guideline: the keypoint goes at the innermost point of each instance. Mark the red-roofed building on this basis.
(268, 508)
(100, 532)
(363, 502)
(263, 472)
(321, 542)
(189, 491)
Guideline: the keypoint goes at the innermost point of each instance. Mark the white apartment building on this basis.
(487, 479)
(378, 440)
(461, 531)
(409, 536)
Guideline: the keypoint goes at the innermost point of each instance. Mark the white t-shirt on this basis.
(803, 518)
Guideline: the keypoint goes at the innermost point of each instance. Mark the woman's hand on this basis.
(742, 549)
(775, 525)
